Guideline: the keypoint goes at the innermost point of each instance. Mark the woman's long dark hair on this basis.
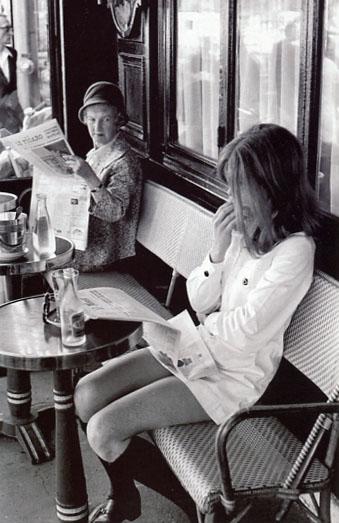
(269, 160)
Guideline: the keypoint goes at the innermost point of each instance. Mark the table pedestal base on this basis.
(71, 493)
(22, 423)
(29, 435)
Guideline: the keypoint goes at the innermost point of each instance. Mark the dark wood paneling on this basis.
(132, 58)
(328, 248)
(90, 44)
(132, 83)
(54, 38)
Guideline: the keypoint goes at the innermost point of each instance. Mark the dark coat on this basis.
(8, 86)
(11, 114)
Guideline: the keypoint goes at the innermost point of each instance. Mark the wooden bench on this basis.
(253, 453)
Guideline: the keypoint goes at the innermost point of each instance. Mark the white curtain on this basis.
(328, 180)
(197, 75)
(268, 62)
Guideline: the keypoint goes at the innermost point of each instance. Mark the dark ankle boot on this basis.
(123, 502)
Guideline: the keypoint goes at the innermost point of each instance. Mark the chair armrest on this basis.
(257, 411)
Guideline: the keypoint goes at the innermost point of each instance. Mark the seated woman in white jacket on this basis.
(259, 268)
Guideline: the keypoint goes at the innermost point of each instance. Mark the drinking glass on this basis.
(58, 284)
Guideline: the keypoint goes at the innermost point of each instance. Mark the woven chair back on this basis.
(312, 339)
(174, 228)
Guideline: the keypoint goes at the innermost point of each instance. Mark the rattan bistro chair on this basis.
(254, 454)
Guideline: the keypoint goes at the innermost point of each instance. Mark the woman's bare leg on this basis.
(115, 379)
(161, 403)
(130, 394)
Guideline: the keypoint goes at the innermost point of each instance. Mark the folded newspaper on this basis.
(45, 148)
(177, 341)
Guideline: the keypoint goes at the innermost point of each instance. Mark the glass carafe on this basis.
(72, 317)
(43, 233)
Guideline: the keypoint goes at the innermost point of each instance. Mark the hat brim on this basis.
(92, 101)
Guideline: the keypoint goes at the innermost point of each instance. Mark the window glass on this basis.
(197, 75)
(25, 99)
(328, 181)
(268, 62)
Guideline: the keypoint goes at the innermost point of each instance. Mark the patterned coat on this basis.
(114, 207)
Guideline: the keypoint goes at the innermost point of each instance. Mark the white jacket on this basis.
(245, 305)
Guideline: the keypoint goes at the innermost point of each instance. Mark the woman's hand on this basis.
(223, 224)
(81, 168)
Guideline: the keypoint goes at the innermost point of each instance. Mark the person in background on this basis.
(11, 114)
(245, 292)
(113, 174)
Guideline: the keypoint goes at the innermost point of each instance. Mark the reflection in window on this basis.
(197, 88)
(328, 182)
(25, 69)
(268, 62)
(30, 24)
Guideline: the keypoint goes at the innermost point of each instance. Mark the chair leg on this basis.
(325, 505)
(200, 515)
(284, 508)
(219, 515)
(174, 278)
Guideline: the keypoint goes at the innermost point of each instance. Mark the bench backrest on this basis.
(312, 338)
(174, 228)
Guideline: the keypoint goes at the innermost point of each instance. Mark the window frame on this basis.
(185, 162)
(197, 168)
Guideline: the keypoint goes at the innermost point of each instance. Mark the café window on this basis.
(229, 65)
(197, 73)
(25, 84)
(268, 63)
(328, 176)
(237, 61)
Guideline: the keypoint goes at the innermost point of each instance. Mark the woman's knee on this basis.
(103, 439)
(85, 395)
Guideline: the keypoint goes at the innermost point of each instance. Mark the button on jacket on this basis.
(244, 305)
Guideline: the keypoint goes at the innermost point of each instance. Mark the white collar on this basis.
(5, 53)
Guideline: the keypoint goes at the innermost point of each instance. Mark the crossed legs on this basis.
(129, 395)
(125, 397)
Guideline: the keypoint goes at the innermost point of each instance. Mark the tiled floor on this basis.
(27, 491)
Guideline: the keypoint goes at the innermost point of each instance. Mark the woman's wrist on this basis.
(216, 257)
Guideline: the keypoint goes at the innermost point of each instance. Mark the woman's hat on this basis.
(103, 93)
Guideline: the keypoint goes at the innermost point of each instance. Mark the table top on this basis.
(32, 263)
(27, 343)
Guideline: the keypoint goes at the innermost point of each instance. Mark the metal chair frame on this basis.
(327, 421)
(293, 487)
(255, 443)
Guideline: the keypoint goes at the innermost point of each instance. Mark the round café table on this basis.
(13, 271)
(21, 423)
(29, 344)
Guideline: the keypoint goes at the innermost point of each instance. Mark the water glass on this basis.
(58, 285)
